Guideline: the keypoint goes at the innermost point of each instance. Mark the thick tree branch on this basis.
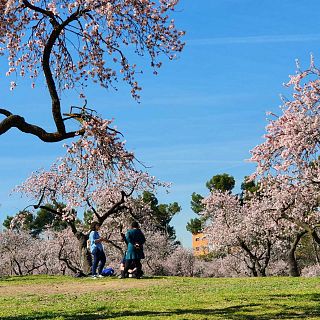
(16, 121)
(115, 246)
(38, 9)
(94, 210)
(115, 208)
(56, 107)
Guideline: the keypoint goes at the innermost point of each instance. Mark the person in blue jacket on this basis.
(96, 248)
(135, 240)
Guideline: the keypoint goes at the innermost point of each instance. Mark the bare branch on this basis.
(16, 121)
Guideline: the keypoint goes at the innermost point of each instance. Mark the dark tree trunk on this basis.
(86, 258)
(254, 271)
(19, 268)
(265, 261)
(292, 261)
(85, 254)
(262, 272)
(316, 250)
(315, 237)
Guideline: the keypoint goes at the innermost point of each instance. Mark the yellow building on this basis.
(200, 244)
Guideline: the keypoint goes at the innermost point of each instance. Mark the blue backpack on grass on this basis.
(107, 272)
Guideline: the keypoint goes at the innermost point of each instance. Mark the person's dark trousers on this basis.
(98, 256)
(133, 263)
(128, 264)
(139, 269)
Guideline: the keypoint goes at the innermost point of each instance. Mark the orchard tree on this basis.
(36, 223)
(69, 43)
(294, 205)
(233, 224)
(288, 159)
(158, 249)
(235, 227)
(55, 252)
(250, 228)
(22, 254)
(98, 173)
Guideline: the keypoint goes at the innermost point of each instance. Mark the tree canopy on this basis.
(162, 213)
(222, 182)
(71, 42)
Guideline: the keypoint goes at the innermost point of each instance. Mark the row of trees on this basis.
(66, 44)
(278, 209)
(264, 224)
(237, 229)
(30, 238)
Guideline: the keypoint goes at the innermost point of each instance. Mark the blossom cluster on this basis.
(288, 159)
(86, 39)
(97, 169)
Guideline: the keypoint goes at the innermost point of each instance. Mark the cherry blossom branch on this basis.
(35, 39)
(115, 208)
(19, 122)
(40, 10)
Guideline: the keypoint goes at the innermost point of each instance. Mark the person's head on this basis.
(135, 225)
(95, 225)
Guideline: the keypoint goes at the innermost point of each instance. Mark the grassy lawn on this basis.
(53, 297)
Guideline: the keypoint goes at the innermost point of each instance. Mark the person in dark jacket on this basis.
(135, 240)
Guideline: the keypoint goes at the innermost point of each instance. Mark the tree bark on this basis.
(294, 270)
(85, 254)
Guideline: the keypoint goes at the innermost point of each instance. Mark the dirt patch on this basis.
(83, 286)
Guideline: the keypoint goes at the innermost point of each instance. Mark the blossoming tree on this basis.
(97, 172)
(288, 159)
(70, 42)
(236, 228)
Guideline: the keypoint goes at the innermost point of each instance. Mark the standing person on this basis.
(96, 248)
(135, 240)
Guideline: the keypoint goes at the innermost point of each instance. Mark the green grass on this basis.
(24, 298)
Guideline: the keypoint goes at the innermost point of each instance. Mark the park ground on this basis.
(58, 297)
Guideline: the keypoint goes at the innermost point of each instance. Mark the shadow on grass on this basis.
(238, 312)
(302, 297)
(250, 311)
(31, 278)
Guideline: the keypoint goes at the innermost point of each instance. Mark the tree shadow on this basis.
(301, 296)
(28, 278)
(237, 312)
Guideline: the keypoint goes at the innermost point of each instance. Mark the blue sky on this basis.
(201, 115)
